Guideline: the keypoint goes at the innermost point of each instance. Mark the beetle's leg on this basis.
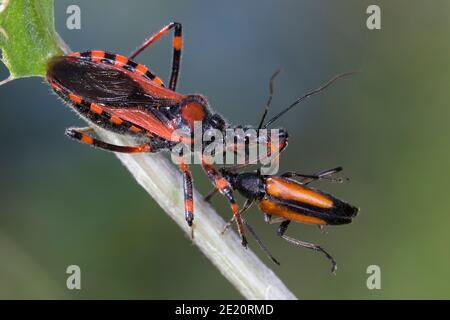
(322, 175)
(80, 135)
(248, 203)
(260, 243)
(187, 191)
(177, 46)
(268, 218)
(225, 189)
(281, 232)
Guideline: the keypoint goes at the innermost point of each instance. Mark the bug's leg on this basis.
(177, 46)
(80, 135)
(209, 196)
(322, 175)
(187, 189)
(281, 232)
(248, 203)
(260, 243)
(225, 189)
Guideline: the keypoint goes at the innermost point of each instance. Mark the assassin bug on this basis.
(114, 92)
(283, 199)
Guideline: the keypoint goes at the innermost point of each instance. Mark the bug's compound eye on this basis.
(217, 122)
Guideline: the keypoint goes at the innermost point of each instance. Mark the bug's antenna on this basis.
(269, 100)
(321, 88)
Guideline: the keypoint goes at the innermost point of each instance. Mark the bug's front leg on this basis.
(225, 189)
(187, 189)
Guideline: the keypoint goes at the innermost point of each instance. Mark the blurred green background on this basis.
(63, 203)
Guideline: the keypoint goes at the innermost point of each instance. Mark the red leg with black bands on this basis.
(225, 189)
(80, 135)
(188, 192)
(177, 46)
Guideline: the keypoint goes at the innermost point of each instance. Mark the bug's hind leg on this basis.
(80, 134)
(281, 232)
(177, 46)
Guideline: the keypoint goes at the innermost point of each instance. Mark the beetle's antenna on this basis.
(309, 94)
(269, 100)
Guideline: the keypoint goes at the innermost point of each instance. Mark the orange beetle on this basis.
(283, 199)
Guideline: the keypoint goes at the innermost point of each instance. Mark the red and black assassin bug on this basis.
(116, 93)
(283, 199)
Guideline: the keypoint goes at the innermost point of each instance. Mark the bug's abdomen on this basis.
(111, 92)
(293, 201)
(109, 79)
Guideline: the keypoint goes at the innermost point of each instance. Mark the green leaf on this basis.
(28, 37)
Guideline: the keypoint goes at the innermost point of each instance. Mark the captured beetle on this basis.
(283, 199)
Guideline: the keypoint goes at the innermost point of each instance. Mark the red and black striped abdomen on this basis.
(109, 79)
(113, 92)
(296, 202)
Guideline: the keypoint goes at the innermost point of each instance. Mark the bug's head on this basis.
(217, 122)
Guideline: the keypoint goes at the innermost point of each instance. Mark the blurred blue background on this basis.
(63, 203)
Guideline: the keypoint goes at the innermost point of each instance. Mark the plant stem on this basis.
(245, 271)
(24, 21)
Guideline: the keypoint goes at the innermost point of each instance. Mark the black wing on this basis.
(101, 83)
